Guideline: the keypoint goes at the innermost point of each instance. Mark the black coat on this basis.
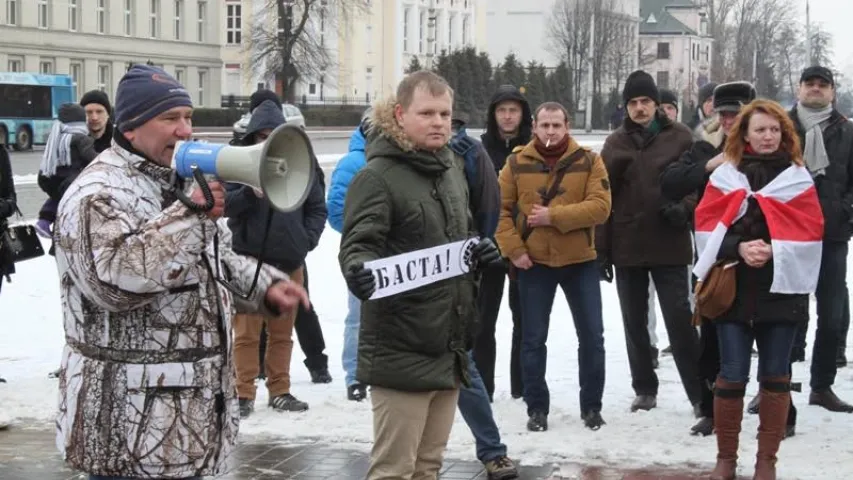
(835, 189)
(82, 150)
(753, 301)
(8, 206)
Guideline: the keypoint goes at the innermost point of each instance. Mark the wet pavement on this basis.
(30, 454)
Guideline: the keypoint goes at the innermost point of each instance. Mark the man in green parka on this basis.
(411, 195)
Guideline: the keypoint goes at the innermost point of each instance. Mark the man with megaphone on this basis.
(292, 235)
(147, 383)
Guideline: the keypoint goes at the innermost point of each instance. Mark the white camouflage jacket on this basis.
(147, 386)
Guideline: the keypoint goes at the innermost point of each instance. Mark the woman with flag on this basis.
(760, 213)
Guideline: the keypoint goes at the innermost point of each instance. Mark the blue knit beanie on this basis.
(145, 92)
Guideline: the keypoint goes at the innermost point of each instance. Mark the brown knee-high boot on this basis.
(773, 416)
(728, 414)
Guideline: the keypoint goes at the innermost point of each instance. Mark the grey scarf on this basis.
(57, 152)
(813, 121)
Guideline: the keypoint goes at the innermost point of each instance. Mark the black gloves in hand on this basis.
(676, 215)
(361, 282)
(486, 254)
(605, 269)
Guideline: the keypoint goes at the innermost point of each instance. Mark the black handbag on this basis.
(20, 242)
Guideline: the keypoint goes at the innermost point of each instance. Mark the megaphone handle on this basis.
(205, 190)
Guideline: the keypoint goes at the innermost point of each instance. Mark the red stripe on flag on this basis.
(717, 207)
(798, 220)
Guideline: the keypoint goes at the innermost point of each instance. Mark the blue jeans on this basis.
(349, 357)
(101, 477)
(774, 341)
(476, 409)
(537, 287)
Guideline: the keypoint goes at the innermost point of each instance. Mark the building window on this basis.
(234, 23)
(46, 66)
(663, 79)
(450, 20)
(154, 19)
(11, 12)
(179, 10)
(73, 15)
(369, 40)
(406, 13)
(101, 15)
(16, 65)
(104, 78)
(75, 70)
(43, 14)
(202, 20)
(202, 83)
(663, 50)
(128, 17)
(422, 31)
(466, 29)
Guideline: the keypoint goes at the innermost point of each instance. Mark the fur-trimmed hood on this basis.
(712, 133)
(386, 139)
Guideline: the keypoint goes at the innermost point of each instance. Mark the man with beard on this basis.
(648, 234)
(510, 124)
(827, 139)
(98, 116)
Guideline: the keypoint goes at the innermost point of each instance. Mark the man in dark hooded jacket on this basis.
(291, 236)
(510, 124)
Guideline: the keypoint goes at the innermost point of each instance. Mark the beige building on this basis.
(369, 53)
(675, 47)
(95, 41)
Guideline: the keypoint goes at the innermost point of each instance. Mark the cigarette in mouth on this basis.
(548, 143)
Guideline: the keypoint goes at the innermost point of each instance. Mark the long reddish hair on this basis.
(736, 138)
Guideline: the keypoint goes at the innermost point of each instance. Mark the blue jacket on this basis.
(483, 188)
(343, 174)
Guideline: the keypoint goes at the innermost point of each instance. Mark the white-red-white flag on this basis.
(794, 217)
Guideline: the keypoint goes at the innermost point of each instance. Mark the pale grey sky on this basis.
(836, 16)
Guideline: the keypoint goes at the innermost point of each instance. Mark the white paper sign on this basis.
(411, 270)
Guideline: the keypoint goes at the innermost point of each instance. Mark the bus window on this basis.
(25, 101)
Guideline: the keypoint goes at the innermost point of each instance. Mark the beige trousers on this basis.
(410, 432)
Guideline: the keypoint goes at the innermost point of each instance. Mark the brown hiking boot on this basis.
(773, 416)
(728, 414)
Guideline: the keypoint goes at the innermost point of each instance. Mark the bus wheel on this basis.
(23, 139)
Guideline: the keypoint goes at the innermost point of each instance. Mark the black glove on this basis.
(605, 269)
(361, 282)
(486, 254)
(676, 215)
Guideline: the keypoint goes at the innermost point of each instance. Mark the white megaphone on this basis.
(282, 166)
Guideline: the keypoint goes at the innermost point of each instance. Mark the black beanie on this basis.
(96, 96)
(640, 84)
(259, 96)
(71, 113)
(668, 97)
(706, 92)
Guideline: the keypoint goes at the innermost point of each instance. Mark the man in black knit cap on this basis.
(649, 235)
(98, 118)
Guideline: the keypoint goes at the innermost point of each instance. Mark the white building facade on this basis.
(95, 41)
(675, 47)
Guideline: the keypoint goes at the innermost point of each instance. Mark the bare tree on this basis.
(287, 41)
(568, 32)
(821, 46)
(718, 15)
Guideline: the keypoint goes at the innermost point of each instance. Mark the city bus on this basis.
(28, 105)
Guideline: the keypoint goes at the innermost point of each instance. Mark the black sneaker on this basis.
(538, 422)
(592, 420)
(704, 427)
(287, 403)
(501, 468)
(246, 407)
(321, 375)
(356, 392)
(644, 402)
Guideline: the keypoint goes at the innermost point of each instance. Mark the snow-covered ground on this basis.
(31, 339)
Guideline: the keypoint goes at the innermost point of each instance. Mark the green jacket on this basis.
(405, 200)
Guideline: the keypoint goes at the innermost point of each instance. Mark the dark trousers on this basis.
(845, 323)
(831, 295)
(709, 366)
(580, 284)
(774, 342)
(308, 332)
(489, 304)
(632, 285)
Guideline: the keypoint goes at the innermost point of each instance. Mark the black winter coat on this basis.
(753, 301)
(835, 189)
(82, 153)
(8, 206)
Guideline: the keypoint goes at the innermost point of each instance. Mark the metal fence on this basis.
(242, 102)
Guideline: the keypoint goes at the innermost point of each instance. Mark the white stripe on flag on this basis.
(708, 248)
(795, 270)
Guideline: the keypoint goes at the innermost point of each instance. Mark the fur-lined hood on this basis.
(386, 139)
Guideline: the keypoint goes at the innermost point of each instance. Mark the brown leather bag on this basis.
(715, 295)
